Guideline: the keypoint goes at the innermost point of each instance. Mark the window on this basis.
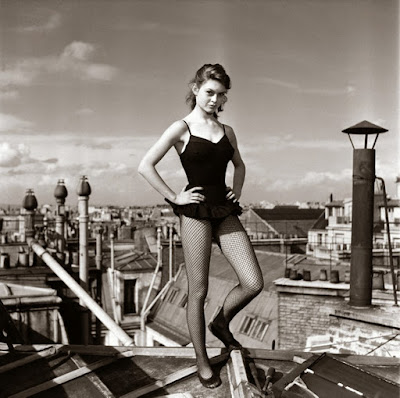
(254, 327)
(129, 296)
(183, 301)
(246, 325)
(172, 295)
(259, 330)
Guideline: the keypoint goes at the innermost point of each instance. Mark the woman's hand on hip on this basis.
(230, 195)
(189, 196)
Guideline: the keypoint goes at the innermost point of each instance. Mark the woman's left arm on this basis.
(240, 168)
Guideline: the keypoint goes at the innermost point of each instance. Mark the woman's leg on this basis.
(196, 238)
(238, 250)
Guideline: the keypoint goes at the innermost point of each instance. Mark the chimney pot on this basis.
(84, 187)
(29, 203)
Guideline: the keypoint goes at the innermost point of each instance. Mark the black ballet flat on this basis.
(225, 336)
(213, 382)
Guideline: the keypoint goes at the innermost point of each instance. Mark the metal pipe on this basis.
(362, 227)
(112, 261)
(160, 294)
(83, 241)
(159, 261)
(81, 293)
(99, 284)
(389, 240)
(60, 233)
(99, 248)
(170, 251)
(143, 314)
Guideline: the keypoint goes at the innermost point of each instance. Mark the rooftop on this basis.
(95, 371)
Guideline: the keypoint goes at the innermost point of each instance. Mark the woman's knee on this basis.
(198, 293)
(254, 288)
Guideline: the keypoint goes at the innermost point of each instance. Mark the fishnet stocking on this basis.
(238, 250)
(196, 242)
(235, 245)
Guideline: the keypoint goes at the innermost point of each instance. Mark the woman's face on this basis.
(210, 96)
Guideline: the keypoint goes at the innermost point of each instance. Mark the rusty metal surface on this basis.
(362, 227)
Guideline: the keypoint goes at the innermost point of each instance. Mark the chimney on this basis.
(30, 205)
(60, 193)
(83, 192)
(362, 215)
(398, 187)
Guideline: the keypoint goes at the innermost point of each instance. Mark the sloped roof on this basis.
(131, 260)
(288, 213)
(16, 290)
(271, 264)
(335, 203)
(298, 228)
(321, 223)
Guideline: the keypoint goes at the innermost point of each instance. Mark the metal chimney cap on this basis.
(365, 127)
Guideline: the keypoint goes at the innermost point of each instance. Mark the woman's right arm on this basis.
(147, 167)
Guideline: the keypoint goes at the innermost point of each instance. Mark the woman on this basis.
(208, 209)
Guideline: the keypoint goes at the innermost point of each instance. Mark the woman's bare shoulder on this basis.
(176, 130)
(230, 133)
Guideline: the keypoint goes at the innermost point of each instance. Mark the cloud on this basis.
(75, 60)
(21, 74)
(78, 50)
(84, 112)
(13, 155)
(333, 91)
(9, 95)
(310, 179)
(94, 144)
(273, 143)
(52, 22)
(51, 160)
(10, 123)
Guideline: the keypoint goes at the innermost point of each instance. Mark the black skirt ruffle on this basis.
(205, 211)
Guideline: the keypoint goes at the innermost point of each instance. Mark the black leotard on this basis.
(205, 166)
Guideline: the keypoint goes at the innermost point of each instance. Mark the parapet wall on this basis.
(304, 309)
(372, 331)
(318, 312)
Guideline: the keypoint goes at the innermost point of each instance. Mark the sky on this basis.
(86, 87)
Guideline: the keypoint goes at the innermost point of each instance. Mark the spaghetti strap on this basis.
(223, 126)
(184, 121)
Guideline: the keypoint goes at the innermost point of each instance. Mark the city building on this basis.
(330, 236)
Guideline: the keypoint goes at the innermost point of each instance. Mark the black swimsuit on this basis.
(205, 166)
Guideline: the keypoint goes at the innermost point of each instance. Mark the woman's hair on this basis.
(206, 72)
